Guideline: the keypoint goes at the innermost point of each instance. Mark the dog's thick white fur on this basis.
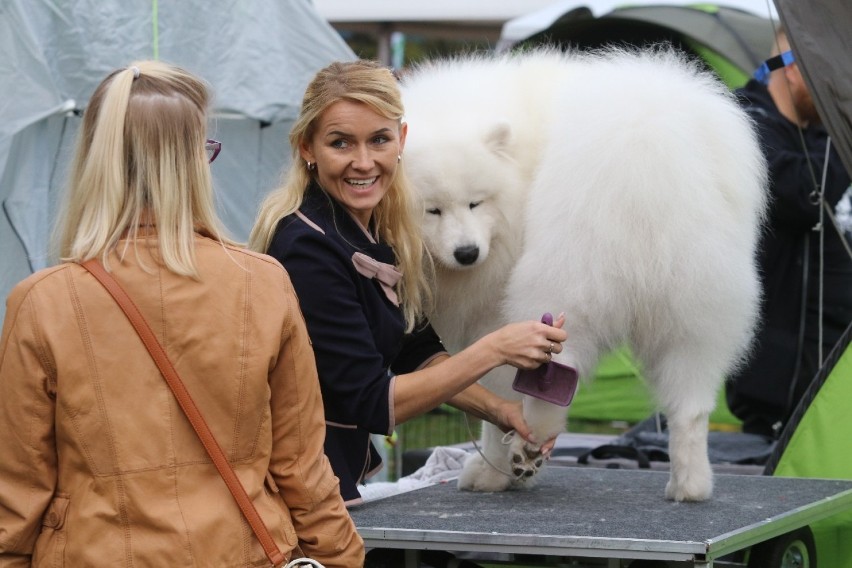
(625, 189)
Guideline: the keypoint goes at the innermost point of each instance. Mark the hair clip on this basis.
(773, 63)
(136, 72)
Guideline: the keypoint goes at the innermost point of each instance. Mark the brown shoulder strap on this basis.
(188, 405)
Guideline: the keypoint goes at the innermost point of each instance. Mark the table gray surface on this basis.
(593, 507)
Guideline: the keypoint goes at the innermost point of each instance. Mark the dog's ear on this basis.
(498, 138)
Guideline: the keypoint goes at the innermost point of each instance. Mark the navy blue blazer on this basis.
(356, 331)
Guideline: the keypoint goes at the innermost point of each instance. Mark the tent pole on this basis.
(155, 28)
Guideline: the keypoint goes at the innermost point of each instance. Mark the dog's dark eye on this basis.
(433, 211)
(475, 204)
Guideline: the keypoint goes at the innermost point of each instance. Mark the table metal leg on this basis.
(412, 558)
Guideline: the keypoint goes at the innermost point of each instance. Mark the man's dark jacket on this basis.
(785, 357)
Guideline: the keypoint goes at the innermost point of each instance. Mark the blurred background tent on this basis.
(822, 42)
(733, 37)
(258, 56)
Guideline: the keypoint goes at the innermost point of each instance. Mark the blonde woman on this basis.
(100, 467)
(344, 227)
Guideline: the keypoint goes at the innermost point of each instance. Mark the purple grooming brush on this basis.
(552, 382)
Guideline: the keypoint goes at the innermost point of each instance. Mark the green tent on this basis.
(815, 444)
(731, 41)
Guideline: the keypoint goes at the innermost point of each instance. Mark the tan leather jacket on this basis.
(99, 466)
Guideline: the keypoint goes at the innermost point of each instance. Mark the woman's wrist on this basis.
(489, 344)
(489, 405)
(475, 400)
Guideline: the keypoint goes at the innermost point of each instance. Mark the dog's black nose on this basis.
(466, 255)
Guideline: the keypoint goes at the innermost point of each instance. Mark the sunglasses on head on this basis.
(773, 63)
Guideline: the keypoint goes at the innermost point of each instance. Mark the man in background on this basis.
(806, 273)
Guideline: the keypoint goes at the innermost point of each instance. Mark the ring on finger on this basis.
(549, 347)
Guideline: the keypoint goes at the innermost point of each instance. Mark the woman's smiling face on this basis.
(356, 151)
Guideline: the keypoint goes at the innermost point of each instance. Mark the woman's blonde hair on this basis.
(141, 160)
(394, 217)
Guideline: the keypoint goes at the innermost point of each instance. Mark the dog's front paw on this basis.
(477, 475)
(525, 458)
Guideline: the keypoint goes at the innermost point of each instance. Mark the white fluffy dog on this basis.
(625, 189)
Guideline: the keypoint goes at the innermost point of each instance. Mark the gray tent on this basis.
(819, 34)
(730, 38)
(258, 57)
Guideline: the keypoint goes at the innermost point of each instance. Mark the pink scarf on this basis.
(386, 274)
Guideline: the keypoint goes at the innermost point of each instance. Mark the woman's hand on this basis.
(528, 344)
(525, 345)
(508, 415)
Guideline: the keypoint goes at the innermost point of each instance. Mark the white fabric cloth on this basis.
(444, 463)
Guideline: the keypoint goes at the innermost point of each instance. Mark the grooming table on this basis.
(600, 515)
